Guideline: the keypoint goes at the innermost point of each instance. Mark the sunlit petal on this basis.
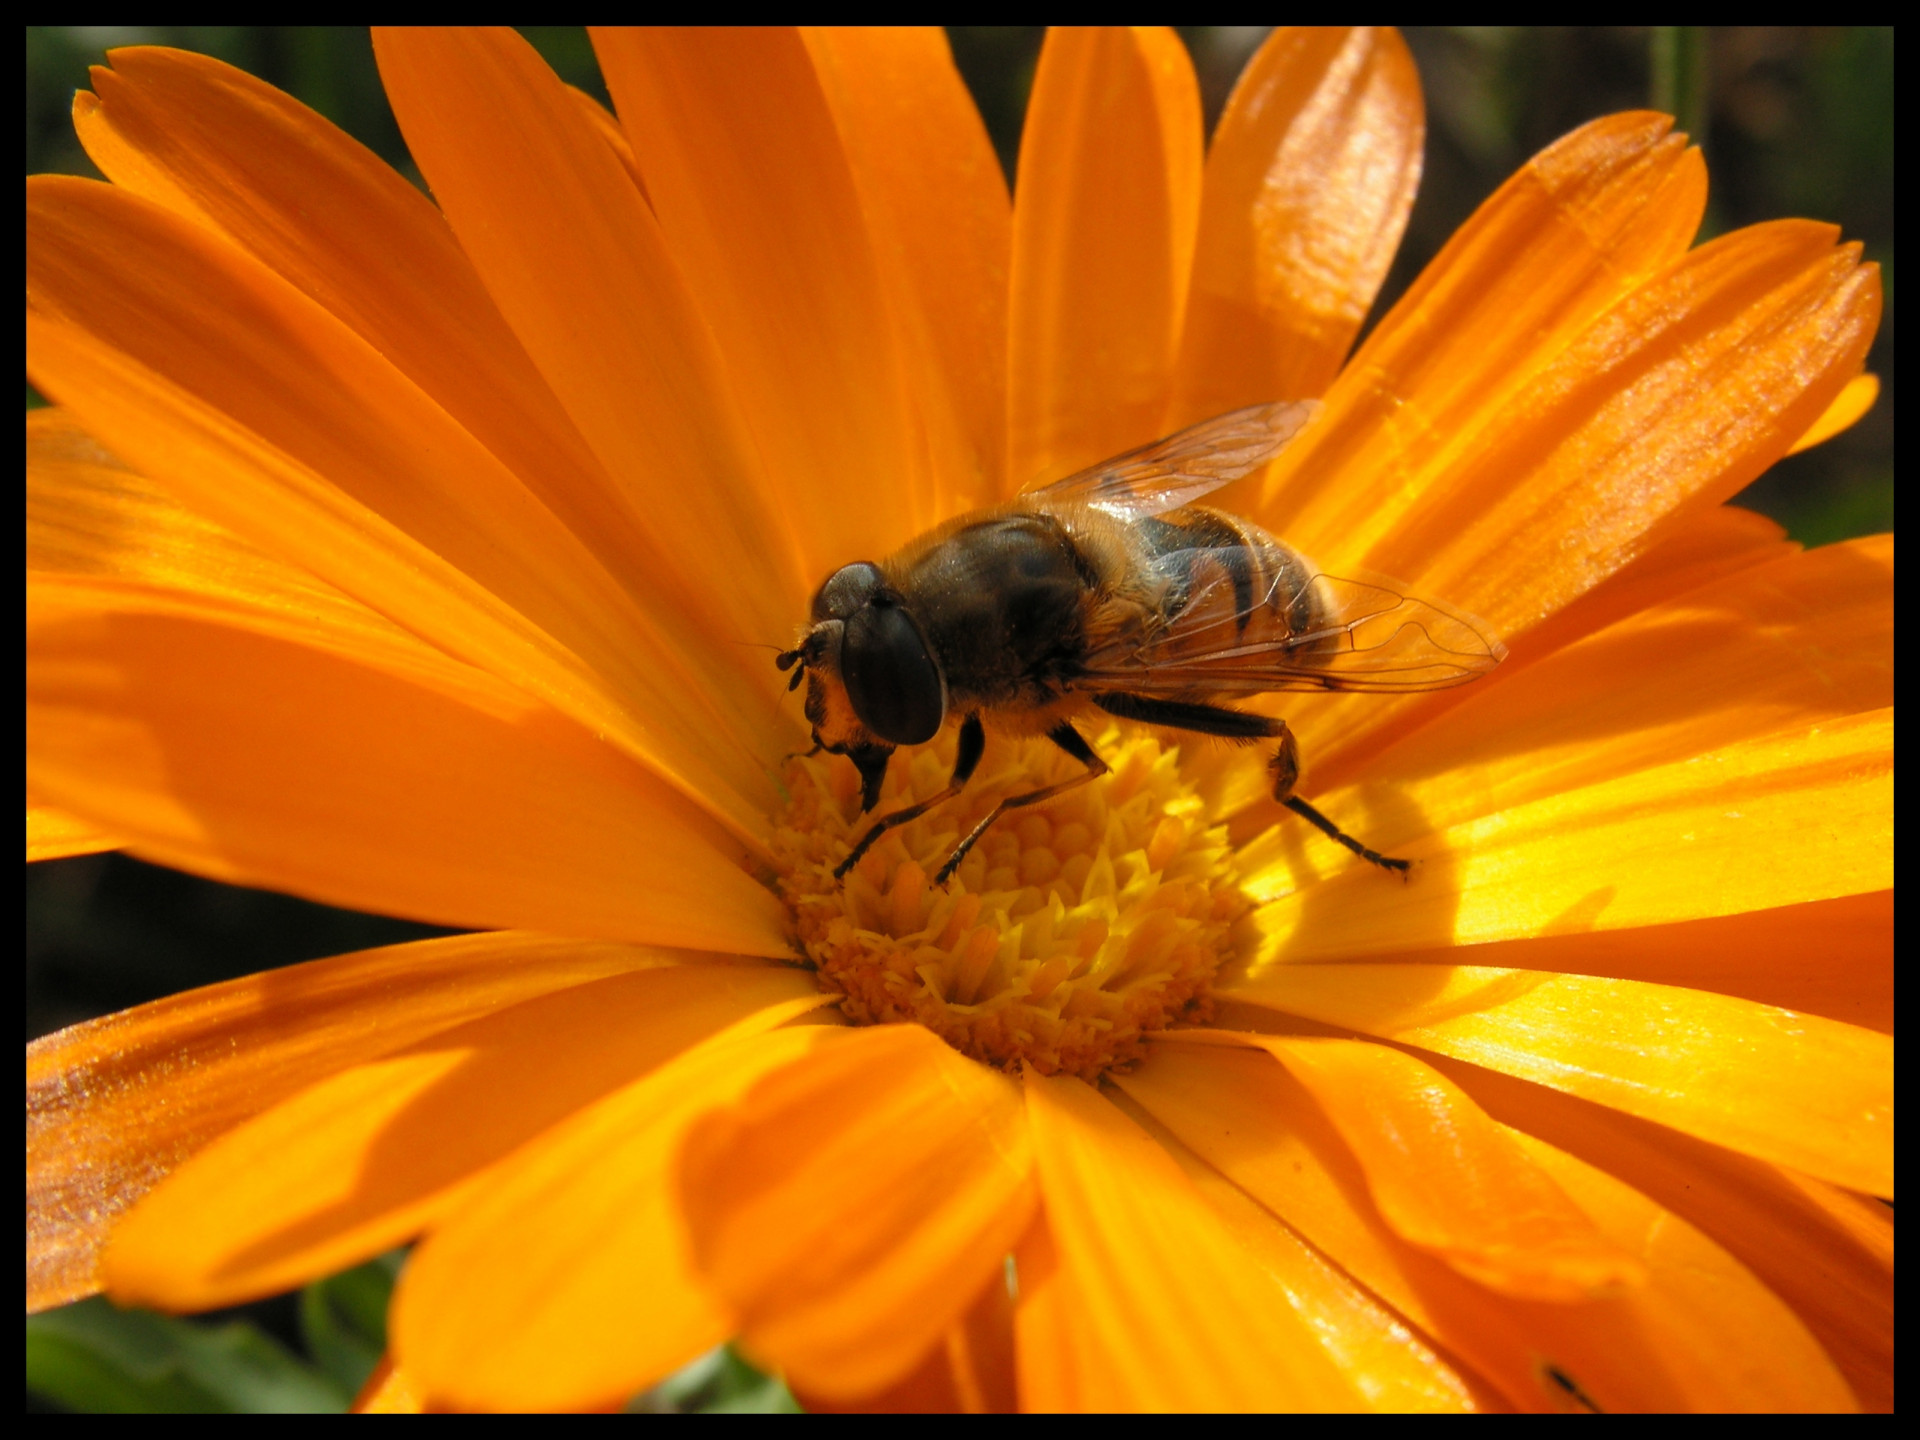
(925, 1151)
(576, 261)
(1804, 639)
(388, 1391)
(364, 1159)
(936, 205)
(254, 346)
(1826, 1252)
(971, 1371)
(326, 214)
(1394, 1368)
(1309, 182)
(1594, 215)
(1447, 1178)
(1627, 427)
(1848, 407)
(1794, 1089)
(53, 833)
(1169, 1314)
(565, 1282)
(1655, 1347)
(1822, 957)
(1104, 220)
(761, 213)
(1715, 834)
(437, 792)
(114, 1104)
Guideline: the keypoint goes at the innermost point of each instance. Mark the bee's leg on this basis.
(1068, 739)
(973, 741)
(1237, 725)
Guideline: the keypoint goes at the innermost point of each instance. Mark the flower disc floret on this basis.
(1066, 935)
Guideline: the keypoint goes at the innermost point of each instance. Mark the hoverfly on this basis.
(1109, 590)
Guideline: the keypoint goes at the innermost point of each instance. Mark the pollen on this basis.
(1071, 930)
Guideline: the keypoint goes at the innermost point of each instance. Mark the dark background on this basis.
(1793, 120)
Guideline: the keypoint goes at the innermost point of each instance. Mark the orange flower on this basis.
(415, 557)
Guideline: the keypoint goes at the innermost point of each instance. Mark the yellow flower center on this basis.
(1066, 934)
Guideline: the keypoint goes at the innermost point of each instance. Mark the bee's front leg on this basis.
(973, 742)
(1069, 740)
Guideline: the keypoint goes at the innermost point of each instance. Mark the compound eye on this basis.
(846, 590)
(896, 689)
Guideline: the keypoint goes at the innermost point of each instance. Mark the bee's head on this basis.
(872, 682)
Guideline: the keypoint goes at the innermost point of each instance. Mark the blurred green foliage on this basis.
(1793, 120)
(721, 1382)
(94, 1358)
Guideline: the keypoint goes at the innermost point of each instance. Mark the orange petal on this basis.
(1689, 554)
(114, 1104)
(850, 1208)
(1309, 182)
(1805, 639)
(319, 209)
(1342, 737)
(760, 210)
(1657, 1347)
(1719, 833)
(574, 257)
(141, 549)
(1395, 1369)
(367, 1158)
(389, 1390)
(438, 793)
(971, 1371)
(1167, 1310)
(937, 207)
(1104, 219)
(1046, 1332)
(1826, 957)
(446, 542)
(1580, 225)
(1243, 1114)
(1848, 406)
(1669, 403)
(1762, 1356)
(1449, 1180)
(1827, 1253)
(563, 1281)
(53, 834)
(1794, 1089)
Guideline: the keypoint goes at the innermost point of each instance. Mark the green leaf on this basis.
(94, 1359)
(343, 1320)
(720, 1382)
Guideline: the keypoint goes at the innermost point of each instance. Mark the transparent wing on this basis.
(1303, 631)
(1180, 469)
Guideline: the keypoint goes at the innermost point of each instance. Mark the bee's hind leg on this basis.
(973, 742)
(1285, 766)
(1238, 725)
(1069, 740)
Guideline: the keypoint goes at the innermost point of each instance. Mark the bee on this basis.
(1108, 591)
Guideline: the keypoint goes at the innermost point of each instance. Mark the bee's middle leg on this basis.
(1238, 725)
(1069, 740)
(973, 742)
